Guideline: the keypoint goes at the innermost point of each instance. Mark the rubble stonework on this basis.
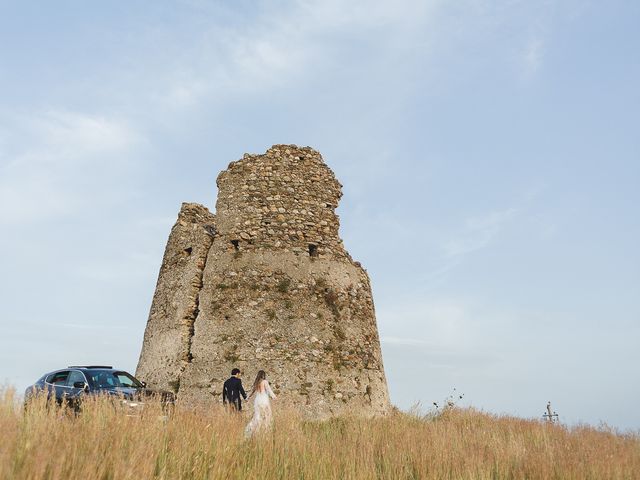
(266, 283)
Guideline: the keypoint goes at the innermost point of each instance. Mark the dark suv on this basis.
(71, 384)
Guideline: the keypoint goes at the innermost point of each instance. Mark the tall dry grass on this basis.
(103, 443)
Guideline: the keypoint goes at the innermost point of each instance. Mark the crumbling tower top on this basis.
(284, 199)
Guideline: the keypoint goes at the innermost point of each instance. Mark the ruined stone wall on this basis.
(166, 348)
(277, 292)
(284, 199)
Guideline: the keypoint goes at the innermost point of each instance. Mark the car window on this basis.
(58, 378)
(102, 378)
(75, 376)
(126, 380)
(111, 379)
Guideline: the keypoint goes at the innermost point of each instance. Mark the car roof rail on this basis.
(89, 366)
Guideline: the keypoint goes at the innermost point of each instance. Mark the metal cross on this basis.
(550, 417)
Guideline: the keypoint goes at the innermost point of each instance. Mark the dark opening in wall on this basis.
(236, 244)
(188, 250)
(313, 250)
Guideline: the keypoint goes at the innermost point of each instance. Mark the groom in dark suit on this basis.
(232, 390)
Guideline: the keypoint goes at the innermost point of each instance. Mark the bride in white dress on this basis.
(262, 417)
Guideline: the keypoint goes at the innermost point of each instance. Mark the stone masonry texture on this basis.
(266, 283)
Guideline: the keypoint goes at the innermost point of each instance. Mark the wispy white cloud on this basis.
(478, 232)
(532, 56)
(93, 326)
(443, 323)
(443, 355)
(128, 269)
(77, 136)
(412, 342)
(56, 156)
(445, 331)
(366, 14)
(284, 46)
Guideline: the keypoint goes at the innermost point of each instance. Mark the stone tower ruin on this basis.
(266, 283)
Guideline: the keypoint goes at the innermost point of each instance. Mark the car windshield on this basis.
(112, 379)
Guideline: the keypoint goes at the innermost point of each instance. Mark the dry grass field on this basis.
(103, 443)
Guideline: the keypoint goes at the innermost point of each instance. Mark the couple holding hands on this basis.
(232, 392)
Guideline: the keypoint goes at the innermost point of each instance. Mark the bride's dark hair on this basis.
(259, 377)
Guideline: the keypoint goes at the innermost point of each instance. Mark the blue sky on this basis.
(489, 152)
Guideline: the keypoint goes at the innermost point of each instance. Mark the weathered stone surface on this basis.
(267, 284)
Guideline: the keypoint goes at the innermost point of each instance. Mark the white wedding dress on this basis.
(262, 417)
